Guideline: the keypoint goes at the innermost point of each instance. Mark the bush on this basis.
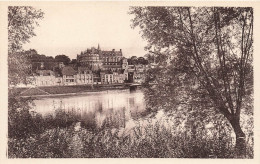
(21, 123)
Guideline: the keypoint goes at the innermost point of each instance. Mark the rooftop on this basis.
(68, 70)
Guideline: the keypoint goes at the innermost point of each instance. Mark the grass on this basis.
(151, 141)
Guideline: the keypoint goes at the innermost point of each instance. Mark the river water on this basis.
(112, 107)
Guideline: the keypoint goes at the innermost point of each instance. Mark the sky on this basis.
(70, 29)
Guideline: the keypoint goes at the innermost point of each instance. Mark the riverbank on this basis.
(50, 91)
(152, 141)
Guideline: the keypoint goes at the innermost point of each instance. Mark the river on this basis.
(112, 107)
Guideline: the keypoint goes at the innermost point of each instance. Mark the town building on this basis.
(84, 76)
(45, 78)
(118, 77)
(107, 77)
(96, 78)
(69, 75)
(139, 74)
(124, 64)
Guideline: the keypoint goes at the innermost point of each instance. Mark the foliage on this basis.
(62, 58)
(52, 143)
(36, 61)
(20, 121)
(21, 23)
(151, 141)
(203, 57)
(134, 60)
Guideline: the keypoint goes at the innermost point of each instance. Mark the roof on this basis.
(94, 50)
(84, 69)
(111, 53)
(68, 70)
(45, 72)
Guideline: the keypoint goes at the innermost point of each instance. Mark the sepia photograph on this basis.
(122, 80)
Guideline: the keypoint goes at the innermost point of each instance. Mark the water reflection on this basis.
(101, 109)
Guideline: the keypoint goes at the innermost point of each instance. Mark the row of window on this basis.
(114, 81)
(85, 81)
(113, 59)
(83, 78)
(69, 80)
(46, 82)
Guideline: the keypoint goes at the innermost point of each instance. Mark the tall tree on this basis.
(21, 23)
(62, 58)
(212, 57)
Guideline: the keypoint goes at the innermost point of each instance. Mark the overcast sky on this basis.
(68, 29)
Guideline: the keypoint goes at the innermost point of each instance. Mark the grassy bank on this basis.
(152, 141)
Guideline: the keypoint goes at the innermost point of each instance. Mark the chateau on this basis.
(96, 59)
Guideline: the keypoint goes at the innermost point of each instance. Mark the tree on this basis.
(150, 58)
(212, 58)
(73, 61)
(21, 23)
(141, 60)
(62, 58)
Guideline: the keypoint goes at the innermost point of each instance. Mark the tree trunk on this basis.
(240, 137)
